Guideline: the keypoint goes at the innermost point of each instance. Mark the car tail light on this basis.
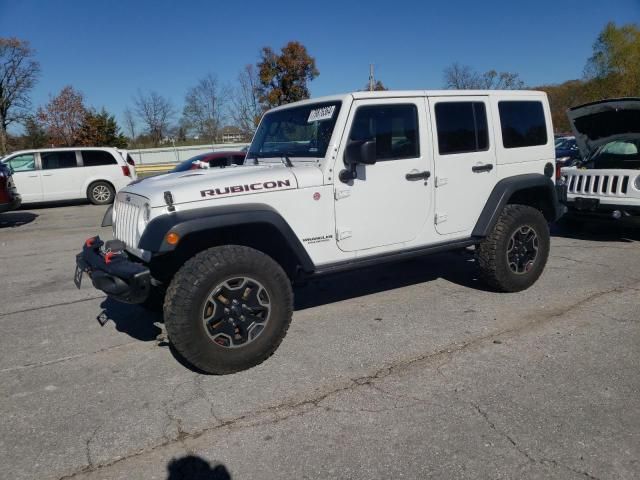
(126, 171)
(558, 171)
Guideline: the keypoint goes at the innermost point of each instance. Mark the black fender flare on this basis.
(107, 220)
(502, 192)
(201, 219)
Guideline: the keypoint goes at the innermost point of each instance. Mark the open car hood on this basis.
(595, 124)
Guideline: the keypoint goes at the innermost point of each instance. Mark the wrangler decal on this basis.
(212, 192)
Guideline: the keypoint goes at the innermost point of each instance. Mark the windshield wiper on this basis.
(286, 160)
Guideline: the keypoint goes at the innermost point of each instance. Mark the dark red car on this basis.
(211, 160)
(9, 197)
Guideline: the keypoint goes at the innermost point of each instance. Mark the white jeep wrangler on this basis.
(607, 180)
(328, 185)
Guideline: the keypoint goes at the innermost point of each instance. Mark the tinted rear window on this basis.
(53, 160)
(95, 158)
(523, 124)
(462, 127)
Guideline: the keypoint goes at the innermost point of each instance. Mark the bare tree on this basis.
(64, 116)
(246, 109)
(463, 77)
(156, 112)
(130, 124)
(204, 107)
(18, 74)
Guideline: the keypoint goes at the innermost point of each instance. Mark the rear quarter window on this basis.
(523, 124)
(96, 158)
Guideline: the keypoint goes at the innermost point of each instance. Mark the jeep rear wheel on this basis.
(228, 308)
(514, 255)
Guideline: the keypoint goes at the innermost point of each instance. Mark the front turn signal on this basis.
(172, 238)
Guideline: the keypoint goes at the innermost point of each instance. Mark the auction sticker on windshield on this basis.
(319, 114)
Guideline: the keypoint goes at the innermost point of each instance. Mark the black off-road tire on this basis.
(190, 289)
(491, 253)
(101, 193)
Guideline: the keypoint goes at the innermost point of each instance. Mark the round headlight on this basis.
(636, 182)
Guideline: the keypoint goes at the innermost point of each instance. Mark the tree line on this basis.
(277, 78)
(151, 118)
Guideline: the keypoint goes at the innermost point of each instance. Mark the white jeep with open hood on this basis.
(328, 185)
(607, 179)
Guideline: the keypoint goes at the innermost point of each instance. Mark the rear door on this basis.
(465, 160)
(62, 177)
(26, 176)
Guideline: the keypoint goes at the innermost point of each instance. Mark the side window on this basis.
(393, 127)
(23, 163)
(53, 160)
(96, 158)
(523, 124)
(462, 127)
(218, 162)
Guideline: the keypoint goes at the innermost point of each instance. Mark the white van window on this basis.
(23, 163)
(95, 158)
(53, 160)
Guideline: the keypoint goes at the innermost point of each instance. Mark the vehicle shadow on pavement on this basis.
(16, 219)
(597, 230)
(55, 204)
(458, 268)
(133, 320)
(193, 467)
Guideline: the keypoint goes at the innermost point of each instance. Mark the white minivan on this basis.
(71, 173)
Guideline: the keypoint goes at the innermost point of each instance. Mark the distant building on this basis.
(231, 134)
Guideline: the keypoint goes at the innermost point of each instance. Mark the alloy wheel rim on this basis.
(522, 250)
(101, 193)
(236, 312)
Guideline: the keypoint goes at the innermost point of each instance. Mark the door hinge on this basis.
(440, 218)
(440, 181)
(343, 234)
(338, 194)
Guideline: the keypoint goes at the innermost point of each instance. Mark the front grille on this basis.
(592, 183)
(127, 213)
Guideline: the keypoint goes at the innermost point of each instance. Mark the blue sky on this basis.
(110, 49)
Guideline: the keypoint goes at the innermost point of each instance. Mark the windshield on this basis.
(617, 154)
(296, 132)
(188, 164)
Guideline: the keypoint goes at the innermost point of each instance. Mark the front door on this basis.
(26, 177)
(465, 161)
(389, 202)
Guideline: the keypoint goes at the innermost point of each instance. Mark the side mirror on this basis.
(360, 152)
(355, 153)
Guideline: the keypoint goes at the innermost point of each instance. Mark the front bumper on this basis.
(112, 271)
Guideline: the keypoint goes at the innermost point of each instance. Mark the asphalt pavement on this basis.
(412, 370)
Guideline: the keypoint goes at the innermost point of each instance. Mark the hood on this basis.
(595, 124)
(194, 185)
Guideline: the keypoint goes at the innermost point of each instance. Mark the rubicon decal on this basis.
(252, 187)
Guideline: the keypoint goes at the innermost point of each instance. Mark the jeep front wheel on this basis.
(228, 308)
(514, 255)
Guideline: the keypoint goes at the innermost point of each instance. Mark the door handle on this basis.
(32, 176)
(415, 175)
(47, 174)
(482, 168)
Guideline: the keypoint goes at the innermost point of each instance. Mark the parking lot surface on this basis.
(411, 370)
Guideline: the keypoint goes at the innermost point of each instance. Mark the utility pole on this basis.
(372, 82)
